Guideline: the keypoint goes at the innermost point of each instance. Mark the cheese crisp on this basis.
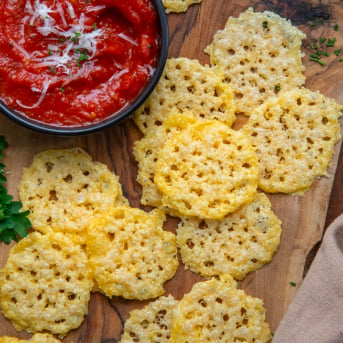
(131, 254)
(152, 323)
(178, 5)
(187, 86)
(206, 170)
(239, 243)
(63, 189)
(260, 55)
(45, 284)
(294, 135)
(36, 338)
(146, 153)
(216, 311)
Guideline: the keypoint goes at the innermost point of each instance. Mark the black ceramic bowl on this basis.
(117, 117)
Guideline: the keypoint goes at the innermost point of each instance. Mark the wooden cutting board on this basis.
(303, 217)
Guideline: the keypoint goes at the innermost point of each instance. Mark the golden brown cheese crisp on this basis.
(152, 323)
(207, 170)
(239, 243)
(64, 189)
(178, 5)
(216, 311)
(187, 86)
(294, 136)
(260, 55)
(45, 284)
(132, 256)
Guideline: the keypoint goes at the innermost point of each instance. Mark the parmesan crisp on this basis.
(186, 86)
(178, 5)
(64, 189)
(36, 338)
(146, 153)
(294, 136)
(132, 256)
(239, 243)
(260, 55)
(216, 311)
(152, 323)
(45, 284)
(207, 170)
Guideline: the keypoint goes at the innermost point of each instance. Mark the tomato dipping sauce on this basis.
(75, 62)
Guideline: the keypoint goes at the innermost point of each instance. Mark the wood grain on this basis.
(304, 218)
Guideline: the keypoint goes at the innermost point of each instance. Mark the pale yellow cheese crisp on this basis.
(187, 86)
(146, 153)
(207, 170)
(216, 311)
(241, 242)
(36, 338)
(45, 284)
(132, 256)
(64, 189)
(151, 323)
(260, 55)
(294, 136)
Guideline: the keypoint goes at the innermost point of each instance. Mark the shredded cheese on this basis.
(46, 84)
(71, 39)
(127, 38)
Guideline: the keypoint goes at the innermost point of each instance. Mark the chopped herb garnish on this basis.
(325, 53)
(95, 26)
(322, 40)
(293, 284)
(331, 42)
(277, 88)
(76, 36)
(313, 23)
(337, 52)
(317, 60)
(340, 60)
(317, 55)
(83, 56)
(315, 45)
(265, 24)
(13, 222)
(49, 52)
(52, 69)
(62, 89)
(335, 27)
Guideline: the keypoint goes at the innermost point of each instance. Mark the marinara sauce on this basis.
(75, 62)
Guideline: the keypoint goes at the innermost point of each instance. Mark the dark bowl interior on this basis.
(117, 117)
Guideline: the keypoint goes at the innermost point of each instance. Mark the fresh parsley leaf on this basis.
(13, 222)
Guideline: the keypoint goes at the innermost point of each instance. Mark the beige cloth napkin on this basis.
(316, 312)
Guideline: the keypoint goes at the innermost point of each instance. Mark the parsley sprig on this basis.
(13, 223)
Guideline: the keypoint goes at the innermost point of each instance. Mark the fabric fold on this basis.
(316, 313)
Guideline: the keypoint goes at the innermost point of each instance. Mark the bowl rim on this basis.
(117, 117)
